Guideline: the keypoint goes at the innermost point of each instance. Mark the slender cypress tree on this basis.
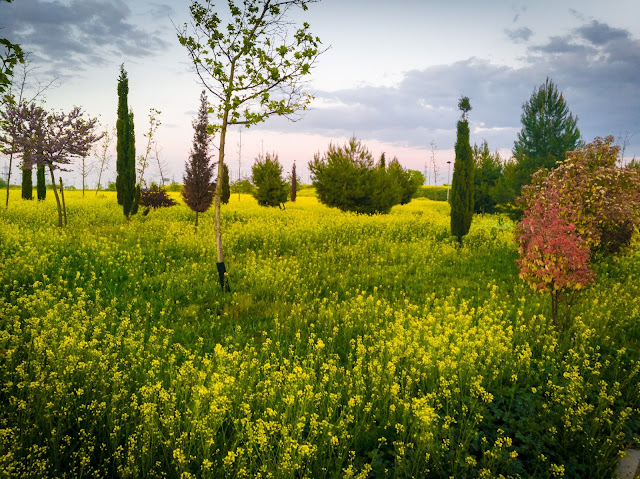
(198, 178)
(130, 191)
(226, 191)
(121, 128)
(294, 183)
(126, 154)
(41, 183)
(27, 181)
(462, 182)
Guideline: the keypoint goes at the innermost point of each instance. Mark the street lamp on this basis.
(448, 179)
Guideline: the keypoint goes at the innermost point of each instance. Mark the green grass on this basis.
(351, 346)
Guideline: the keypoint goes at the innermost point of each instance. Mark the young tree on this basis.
(489, 171)
(226, 191)
(50, 139)
(86, 168)
(462, 182)
(271, 189)
(253, 66)
(103, 155)
(294, 183)
(553, 257)
(126, 155)
(198, 178)
(549, 130)
(143, 160)
(41, 186)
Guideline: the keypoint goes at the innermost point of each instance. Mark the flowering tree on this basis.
(51, 139)
(553, 257)
(601, 199)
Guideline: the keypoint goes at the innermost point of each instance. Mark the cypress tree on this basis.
(126, 154)
(294, 183)
(41, 183)
(462, 183)
(198, 178)
(226, 191)
(130, 191)
(27, 182)
(121, 129)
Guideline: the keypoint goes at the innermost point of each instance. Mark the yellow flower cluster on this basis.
(351, 346)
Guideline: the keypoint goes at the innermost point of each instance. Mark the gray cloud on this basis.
(521, 34)
(69, 35)
(601, 33)
(600, 83)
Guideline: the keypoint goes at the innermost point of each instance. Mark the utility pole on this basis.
(448, 179)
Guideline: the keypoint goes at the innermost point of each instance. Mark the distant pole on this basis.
(448, 179)
(239, 161)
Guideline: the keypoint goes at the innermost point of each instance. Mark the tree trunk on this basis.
(55, 192)
(224, 280)
(64, 207)
(196, 220)
(554, 307)
(8, 180)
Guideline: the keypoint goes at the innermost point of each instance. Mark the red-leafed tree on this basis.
(51, 139)
(600, 198)
(553, 257)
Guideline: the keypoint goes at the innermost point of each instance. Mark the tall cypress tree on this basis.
(126, 155)
(198, 178)
(462, 182)
(294, 183)
(226, 191)
(41, 183)
(130, 191)
(27, 181)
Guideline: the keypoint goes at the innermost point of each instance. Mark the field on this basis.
(351, 346)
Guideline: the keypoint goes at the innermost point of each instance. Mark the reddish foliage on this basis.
(553, 256)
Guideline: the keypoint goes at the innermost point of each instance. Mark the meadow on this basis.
(350, 347)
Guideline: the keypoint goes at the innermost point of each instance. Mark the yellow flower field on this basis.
(350, 346)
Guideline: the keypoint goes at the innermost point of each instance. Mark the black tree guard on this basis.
(224, 279)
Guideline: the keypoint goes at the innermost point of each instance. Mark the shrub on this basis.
(345, 177)
(155, 197)
(271, 189)
(602, 200)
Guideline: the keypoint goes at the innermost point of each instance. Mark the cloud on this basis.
(601, 33)
(519, 34)
(69, 35)
(599, 80)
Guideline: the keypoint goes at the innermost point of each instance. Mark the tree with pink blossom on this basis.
(52, 139)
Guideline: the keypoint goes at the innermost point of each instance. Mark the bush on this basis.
(242, 186)
(271, 189)
(155, 197)
(345, 177)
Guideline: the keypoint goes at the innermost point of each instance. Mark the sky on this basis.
(392, 74)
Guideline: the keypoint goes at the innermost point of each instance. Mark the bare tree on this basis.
(434, 164)
(624, 139)
(162, 164)
(143, 160)
(103, 153)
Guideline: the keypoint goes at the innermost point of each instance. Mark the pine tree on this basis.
(27, 181)
(294, 183)
(462, 182)
(271, 189)
(198, 178)
(549, 130)
(41, 183)
(226, 191)
(125, 161)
